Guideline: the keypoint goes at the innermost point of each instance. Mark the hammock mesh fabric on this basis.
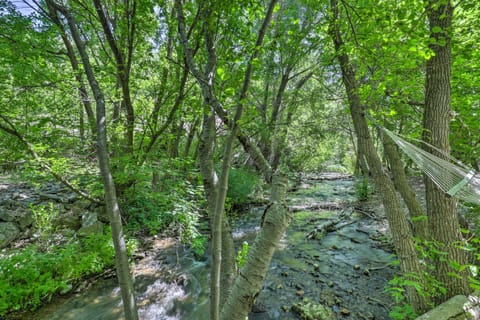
(453, 178)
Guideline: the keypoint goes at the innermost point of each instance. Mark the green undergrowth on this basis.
(32, 276)
(242, 186)
(427, 285)
(172, 204)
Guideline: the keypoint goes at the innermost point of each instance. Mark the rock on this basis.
(300, 293)
(70, 220)
(451, 309)
(8, 233)
(472, 307)
(366, 272)
(285, 308)
(9, 204)
(356, 267)
(67, 289)
(7, 215)
(24, 219)
(102, 214)
(345, 311)
(309, 310)
(82, 204)
(90, 224)
(327, 297)
(259, 308)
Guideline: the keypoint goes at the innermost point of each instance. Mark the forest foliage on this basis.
(160, 87)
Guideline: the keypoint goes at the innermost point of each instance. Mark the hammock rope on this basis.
(455, 179)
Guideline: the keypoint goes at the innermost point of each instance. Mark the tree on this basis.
(399, 226)
(216, 190)
(441, 209)
(112, 206)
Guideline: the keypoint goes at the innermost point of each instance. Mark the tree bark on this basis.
(250, 280)
(82, 90)
(417, 214)
(123, 64)
(397, 220)
(441, 208)
(112, 207)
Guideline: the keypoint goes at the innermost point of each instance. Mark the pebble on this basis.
(300, 293)
(356, 267)
(345, 311)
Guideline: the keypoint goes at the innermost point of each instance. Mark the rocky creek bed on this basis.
(333, 258)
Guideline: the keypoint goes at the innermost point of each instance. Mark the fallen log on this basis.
(331, 225)
(319, 206)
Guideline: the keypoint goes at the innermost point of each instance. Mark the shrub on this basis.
(242, 183)
(30, 277)
(173, 204)
(363, 190)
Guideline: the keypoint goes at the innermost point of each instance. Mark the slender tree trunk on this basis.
(113, 209)
(249, 283)
(191, 135)
(210, 182)
(123, 63)
(82, 90)
(441, 208)
(206, 81)
(397, 220)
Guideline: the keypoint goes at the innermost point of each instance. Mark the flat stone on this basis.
(450, 309)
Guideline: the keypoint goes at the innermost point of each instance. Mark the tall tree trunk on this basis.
(441, 208)
(417, 214)
(397, 220)
(112, 207)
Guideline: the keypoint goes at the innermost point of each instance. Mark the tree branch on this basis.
(10, 129)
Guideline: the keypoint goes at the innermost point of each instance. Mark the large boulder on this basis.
(21, 217)
(8, 233)
(24, 219)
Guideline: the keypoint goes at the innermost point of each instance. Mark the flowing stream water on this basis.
(345, 271)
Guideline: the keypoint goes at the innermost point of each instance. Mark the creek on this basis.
(346, 270)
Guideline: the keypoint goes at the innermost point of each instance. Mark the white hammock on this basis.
(455, 179)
